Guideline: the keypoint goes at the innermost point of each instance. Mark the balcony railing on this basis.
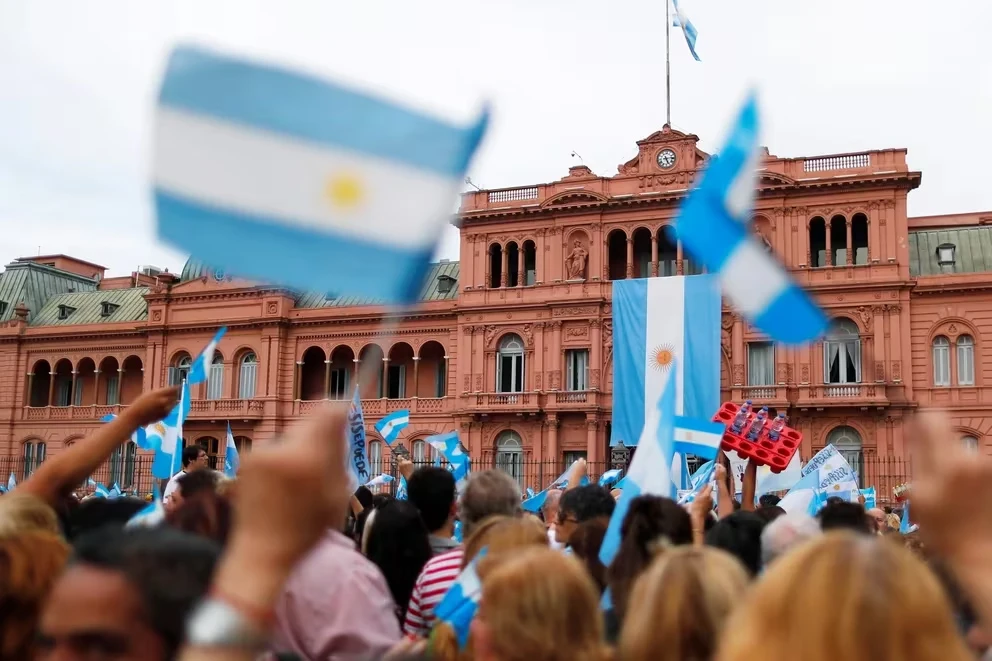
(372, 408)
(92, 412)
(226, 408)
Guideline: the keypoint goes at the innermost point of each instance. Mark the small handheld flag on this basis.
(199, 371)
(380, 481)
(391, 425)
(165, 436)
(11, 482)
(610, 477)
(458, 605)
(358, 456)
(401, 493)
(231, 459)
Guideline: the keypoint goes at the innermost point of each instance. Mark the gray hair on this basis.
(785, 533)
(489, 493)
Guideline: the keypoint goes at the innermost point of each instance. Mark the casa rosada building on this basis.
(512, 346)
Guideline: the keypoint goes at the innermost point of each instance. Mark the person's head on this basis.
(100, 512)
(194, 458)
(397, 544)
(432, 492)
(739, 534)
(22, 513)
(872, 600)
(364, 496)
(30, 563)
(785, 533)
(892, 522)
(581, 504)
(878, 519)
(126, 593)
(498, 534)
(683, 600)
(769, 500)
(549, 510)
(652, 523)
(488, 493)
(770, 513)
(207, 514)
(380, 499)
(586, 542)
(537, 604)
(841, 515)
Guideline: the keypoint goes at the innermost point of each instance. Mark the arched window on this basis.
(495, 265)
(859, 238)
(842, 353)
(838, 240)
(122, 466)
(215, 379)
(375, 459)
(970, 442)
(512, 264)
(847, 440)
(941, 361)
(530, 263)
(243, 444)
(966, 360)
(179, 372)
(510, 364)
(510, 455)
(817, 242)
(246, 381)
(34, 454)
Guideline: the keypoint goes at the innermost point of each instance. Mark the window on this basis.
(495, 265)
(577, 367)
(510, 455)
(842, 353)
(760, 364)
(966, 360)
(243, 444)
(970, 442)
(215, 379)
(107, 309)
(339, 384)
(571, 456)
(122, 466)
(847, 440)
(34, 454)
(63, 391)
(65, 311)
(375, 459)
(180, 371)
(3, 308)
(77, 395)
(113, 388)
(510, 365)
(441, 378)
(396, 388)
(941, 361)
(818, 242)
(423, 453)
(246, 384)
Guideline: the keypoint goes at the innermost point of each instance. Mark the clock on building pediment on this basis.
(666, 159)
(668, 150)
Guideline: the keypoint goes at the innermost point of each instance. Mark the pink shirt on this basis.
(335, 605)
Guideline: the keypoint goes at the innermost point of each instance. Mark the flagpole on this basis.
(668, 66)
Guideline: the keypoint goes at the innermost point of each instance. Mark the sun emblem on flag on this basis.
(160, 428)
(662, 357)
(344, 191)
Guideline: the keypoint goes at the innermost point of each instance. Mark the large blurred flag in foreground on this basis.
(661, 327)
(280, 176)
(713, 227)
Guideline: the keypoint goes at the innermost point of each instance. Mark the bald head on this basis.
(878, 516)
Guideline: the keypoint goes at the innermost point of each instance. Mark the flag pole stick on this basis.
(668, 66)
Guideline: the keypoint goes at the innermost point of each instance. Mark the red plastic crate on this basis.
(766, 452)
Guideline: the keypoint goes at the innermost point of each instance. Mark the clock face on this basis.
(219, 275)
(666, 159)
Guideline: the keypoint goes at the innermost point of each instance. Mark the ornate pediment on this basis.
(574, 197)
(664, 152)
(766, 178)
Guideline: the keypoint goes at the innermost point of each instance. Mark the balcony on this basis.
(246, 409)
(94, 412)
(772, 395)
(842, 394)
(574, 400)
(512, 402)
(375, 408)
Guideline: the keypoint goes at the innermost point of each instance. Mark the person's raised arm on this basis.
(725, 501)
(579, 470)
(749, 484)
(67, 469)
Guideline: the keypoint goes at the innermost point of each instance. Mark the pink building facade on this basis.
(512, 345)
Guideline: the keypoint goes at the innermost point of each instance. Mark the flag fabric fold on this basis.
(826, 475)
(166, 437)
(688, 29)
(199, 371)
(358, 456)
(610, 477)
(700, 437)
(390, 426)
(459, 604)
(380, 481)
(231, 459)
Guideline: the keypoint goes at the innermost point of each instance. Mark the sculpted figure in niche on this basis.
(575, 263)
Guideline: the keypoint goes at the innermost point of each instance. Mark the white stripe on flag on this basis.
(664, 336)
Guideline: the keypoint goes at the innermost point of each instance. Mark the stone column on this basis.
(679, 259)
(416, 376)
(384, 389)
(737, 340)
(96, 386)
(595, 356)
(51, 388)
(552, 438)
(520, 267)
(447, 376)
(27, 400)
(120, 385)
(592, 448)
(850, 246)
(72, 392)
(630, 256)
(327, 379)
(297, 395)
(830, 256)
(354, 373)
(504, 277)
(654, 257)
(557, 353)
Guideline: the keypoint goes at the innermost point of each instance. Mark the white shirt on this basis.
(553, 539)
(172, 485)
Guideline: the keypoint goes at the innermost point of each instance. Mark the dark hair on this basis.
(769, 513)
(399, 546)
(585, 543)
(206, 514)
(432, 491)
(191, 453)
(364, 496)
(740, 535)
(197, 482)
(649, 520)
(841, 515)
(587, 502)
(170, 570)
(95, 513)
(380, 499)
(769, 500)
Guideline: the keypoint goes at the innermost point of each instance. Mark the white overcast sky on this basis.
(78, 82)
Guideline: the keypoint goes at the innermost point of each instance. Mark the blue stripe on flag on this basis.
(315, 110)
(630, 323)
(702, 315)
(246, 244)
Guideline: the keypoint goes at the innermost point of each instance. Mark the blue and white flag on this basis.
(535, 503)
(139, 437)
(704, 475)
(152, 515)
(449, 446)
(688, 29)
(871, 498)
(115, 491)
(700, 437)
(529, 493)
(905, 527)
(232, 462)
(713, 226)
(610, 477)
(650, 470)
(380, 481)
(458, 532)
(11, 482)
(358, 454)
(664, 327)
(199, 371)
(768, 481)
(165, 436)
(401, 493)
(99, 490)
(266, 172)
(826, 475)
(459, 604)
(391, 425)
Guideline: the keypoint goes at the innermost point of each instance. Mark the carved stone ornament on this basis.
(478, 382)
(804, 373)
(619, 456)
(866, 317)
(879, 370)
(738, 375)
(490, 333)
(575, 263)
(577, 331)
(594, 378)
(157, 315)
(272, 307)
(896, 370)
(468, 383)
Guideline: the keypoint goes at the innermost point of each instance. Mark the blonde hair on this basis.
(30, 563)
(22, 512)
(845, 596)
(541, 604)
(683, 599)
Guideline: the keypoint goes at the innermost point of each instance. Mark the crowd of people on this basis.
(289, 562)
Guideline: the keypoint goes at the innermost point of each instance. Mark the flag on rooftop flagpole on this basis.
(713, 226)
(390, 426)
(280, 176)
(680, 20)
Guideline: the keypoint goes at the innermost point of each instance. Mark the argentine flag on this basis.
(139, 437)
(688, 29)
(231, 459)
(827, 474)
(650, 470)
(458, 605)
(664, 327)
(282, 177)
(358, 454)
(380, 481)
(11, 482)
(165, 437)
(152, 515)
(610, 477)
(713, 226)
(199, 371)
(698, 437)
(391, 425)
(99, 490)
(535, 503)
(401, 493)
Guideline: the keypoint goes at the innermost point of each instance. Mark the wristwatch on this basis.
(215, 623)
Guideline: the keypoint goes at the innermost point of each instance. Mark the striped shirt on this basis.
(437, 576)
